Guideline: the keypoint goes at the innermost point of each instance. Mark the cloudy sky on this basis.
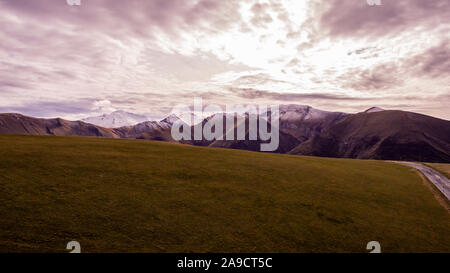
(145, 56)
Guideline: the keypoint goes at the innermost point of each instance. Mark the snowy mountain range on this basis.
(116, 119)
(121, 118)
(372, 134)
(288, 113)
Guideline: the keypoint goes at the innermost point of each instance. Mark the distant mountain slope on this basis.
(169, 121)
(286, 141)
(374, 109)
(163, 134)
(392, 135)
(150, 130)
(303, 122)
(373, 134)
(297, 123)
(116, 119)
(138, 129)
(20, 124)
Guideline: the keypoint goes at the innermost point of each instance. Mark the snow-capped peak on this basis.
(293, 108)
(116, 119)
(294, 112)
(374, 109)
(170, 119)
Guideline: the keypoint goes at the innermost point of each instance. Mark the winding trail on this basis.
(439, 180)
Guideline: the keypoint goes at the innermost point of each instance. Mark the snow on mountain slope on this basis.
(294, 112)
(374, 110)
(116, 119)
(188, 118)
(288, 113)
(303, 122)
(170, 120)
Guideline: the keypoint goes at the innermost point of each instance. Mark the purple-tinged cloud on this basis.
(357, 18)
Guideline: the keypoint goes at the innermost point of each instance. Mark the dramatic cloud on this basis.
(435, 62)
(146, 56)
(249, 93)
(381, 77)
(355, 18)
(50, 109)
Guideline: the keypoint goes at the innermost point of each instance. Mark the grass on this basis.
(116, 195)
(441, 167)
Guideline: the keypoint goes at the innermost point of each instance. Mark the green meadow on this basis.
(115, 195)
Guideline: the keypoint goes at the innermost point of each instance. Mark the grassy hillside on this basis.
(115, 195)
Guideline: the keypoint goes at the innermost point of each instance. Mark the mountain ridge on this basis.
(379, 134)
(387, 135)
(116, 119)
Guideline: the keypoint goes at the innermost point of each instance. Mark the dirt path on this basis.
(439, 180)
